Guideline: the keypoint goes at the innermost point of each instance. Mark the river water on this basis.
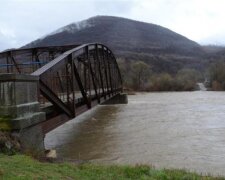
(166, 130)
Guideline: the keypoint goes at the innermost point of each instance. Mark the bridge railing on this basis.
(26, 61)
(81, 77)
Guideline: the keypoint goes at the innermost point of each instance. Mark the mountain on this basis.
(214, 53)
(164, 49)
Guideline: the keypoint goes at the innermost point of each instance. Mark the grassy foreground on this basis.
(24, 167)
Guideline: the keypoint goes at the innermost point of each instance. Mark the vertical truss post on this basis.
(14, 61)
(99, 70)
(79, 82)
(51, 55)
(87, 60)
(85, 74)
(112, 74)
(93, 80)
(87, 65)
(60, 82)
(36, 58)
(70, 60)
(7, 62)
(33, 59)
(67, 84)
(118, 73)
(105, 68)
(109, 70)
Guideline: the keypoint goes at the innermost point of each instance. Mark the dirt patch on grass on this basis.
(9, 143)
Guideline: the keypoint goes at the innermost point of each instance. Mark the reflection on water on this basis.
(172, 130)
(86, 137)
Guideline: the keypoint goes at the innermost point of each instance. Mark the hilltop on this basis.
(158, 46)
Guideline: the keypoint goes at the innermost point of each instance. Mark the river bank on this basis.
(24, 167)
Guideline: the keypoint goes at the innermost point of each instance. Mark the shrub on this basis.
(216, 77)
(184, 80)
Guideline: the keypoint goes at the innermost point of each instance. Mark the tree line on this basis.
(216, 76)
(139, 76)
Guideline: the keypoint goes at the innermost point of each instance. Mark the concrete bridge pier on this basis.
(20, 110)
(120, 98)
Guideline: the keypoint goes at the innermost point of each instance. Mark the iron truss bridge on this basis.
(72, 79)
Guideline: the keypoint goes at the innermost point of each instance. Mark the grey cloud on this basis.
(30, 20)
(33, 19)
(5, 42)
(114, 6)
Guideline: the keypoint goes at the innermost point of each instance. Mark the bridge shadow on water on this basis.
(86, 137)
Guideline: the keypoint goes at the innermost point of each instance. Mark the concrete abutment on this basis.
(120, 98)
(20, 110)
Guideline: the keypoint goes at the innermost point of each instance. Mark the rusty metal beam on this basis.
(14, 61)
(79, 82)
(52, 97)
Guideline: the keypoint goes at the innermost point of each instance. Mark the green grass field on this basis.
(24, 167)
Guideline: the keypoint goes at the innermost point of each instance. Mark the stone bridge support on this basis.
(120, 98)
(20, 110)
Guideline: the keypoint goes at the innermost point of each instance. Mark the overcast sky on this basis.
(22, 21)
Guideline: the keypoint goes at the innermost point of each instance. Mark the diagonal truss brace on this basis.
(54, 99)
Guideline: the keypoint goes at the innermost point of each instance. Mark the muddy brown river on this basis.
(184, 130)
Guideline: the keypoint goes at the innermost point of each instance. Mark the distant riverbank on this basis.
(197, 87)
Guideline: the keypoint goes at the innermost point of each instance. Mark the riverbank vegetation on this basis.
(24, 167)
(184, 80)
(216, 76)
(139, 76)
